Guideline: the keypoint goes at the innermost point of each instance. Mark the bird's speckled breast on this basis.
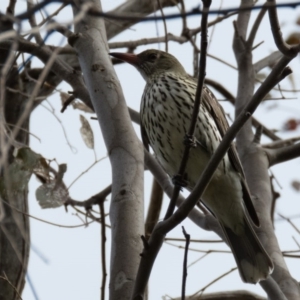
(166, 110)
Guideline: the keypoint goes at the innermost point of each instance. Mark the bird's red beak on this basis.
(127, 57)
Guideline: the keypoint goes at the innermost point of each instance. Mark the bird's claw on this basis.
(179, 180)
(190, 140)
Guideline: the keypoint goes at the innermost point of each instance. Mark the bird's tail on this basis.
(253, 262)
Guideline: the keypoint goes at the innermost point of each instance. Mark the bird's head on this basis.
(152, 63)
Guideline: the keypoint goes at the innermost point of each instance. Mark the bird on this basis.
(166, 109)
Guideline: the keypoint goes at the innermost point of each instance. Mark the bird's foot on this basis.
(190, 140)
(179, 180)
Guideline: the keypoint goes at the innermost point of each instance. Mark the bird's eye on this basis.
(152, 56)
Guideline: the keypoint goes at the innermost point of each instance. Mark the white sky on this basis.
(72, 268)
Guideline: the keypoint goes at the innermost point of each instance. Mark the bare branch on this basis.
(272, 289)
(283, 47)
(103, 250)
(206, 222)
(154, 208)
(222, 90)
(228, 295)
(94, 200)
(141, 8)
(184, 273)
(279, 155)
(124, 149)
(33, 24)
(256, 25)
(282, 143)
(268, 61)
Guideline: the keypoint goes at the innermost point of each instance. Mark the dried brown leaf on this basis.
(81, 106)
(86, 132)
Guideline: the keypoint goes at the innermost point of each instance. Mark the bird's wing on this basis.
(145, 138)
(216, 110)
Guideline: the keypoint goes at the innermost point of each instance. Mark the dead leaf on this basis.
(81, 106)
(86, 132)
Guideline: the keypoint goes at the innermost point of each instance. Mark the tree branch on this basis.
(228, 295)
(277, 156)
(140, 8)
(268, 61)
(223, 91)
(282, 46)
(124, 149)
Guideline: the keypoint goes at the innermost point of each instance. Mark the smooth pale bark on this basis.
(256, 164)
(140, 8)
(124, 149)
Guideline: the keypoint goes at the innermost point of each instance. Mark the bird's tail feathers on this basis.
(253, 262)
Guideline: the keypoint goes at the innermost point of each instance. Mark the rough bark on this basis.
(14, 226)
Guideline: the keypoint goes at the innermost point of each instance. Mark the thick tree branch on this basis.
(256, 165)
(246, 80)
(277, 156)
(124, 148)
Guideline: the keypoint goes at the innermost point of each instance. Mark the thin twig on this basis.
(290, 222)
(165, 25)
(256, 25)
(194, 241)
(185, 259)
(13, 287)
(214, 281)
(222, 90)
(33, 24)
(103, 251)
(194, 12)
(88, 204)
(86, 170)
